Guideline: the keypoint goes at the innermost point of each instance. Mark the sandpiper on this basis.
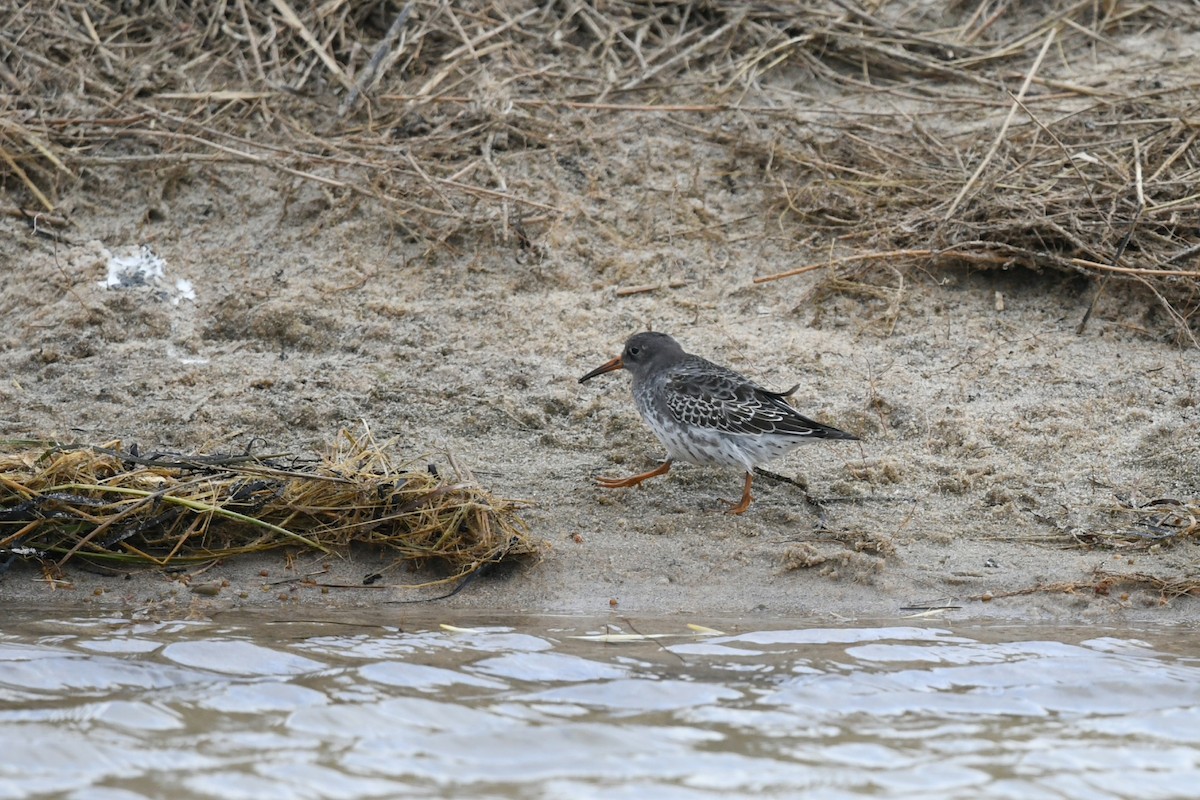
(704, 413)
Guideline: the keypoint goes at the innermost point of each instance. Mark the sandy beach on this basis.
(1003, 452)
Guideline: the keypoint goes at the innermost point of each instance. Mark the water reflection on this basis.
(254, 708)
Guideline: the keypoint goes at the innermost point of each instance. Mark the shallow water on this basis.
(250, 707)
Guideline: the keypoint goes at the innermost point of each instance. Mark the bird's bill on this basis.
(608, 366)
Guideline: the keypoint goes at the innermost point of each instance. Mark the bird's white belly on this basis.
(707, 446)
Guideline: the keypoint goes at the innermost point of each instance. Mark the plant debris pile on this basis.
(115, 507)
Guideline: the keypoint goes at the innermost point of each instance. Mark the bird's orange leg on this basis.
(635, 480)
(741, 507)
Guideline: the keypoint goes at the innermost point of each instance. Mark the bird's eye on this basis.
(633, 351)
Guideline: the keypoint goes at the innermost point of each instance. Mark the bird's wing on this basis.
(708, 396)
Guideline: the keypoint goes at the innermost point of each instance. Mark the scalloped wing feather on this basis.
(703, 394)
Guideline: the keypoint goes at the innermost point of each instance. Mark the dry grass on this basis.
(1106, 583)
(1059, 135)
(110, 506)
(1150, 524)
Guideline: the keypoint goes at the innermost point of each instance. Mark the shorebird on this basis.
(704, 413)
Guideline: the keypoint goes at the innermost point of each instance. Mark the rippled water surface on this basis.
(248, 707)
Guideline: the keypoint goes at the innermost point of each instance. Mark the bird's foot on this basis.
(619, 483)
(738, 507)
(633, 480)
(741, 506)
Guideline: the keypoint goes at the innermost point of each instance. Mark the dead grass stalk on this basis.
(111, 506)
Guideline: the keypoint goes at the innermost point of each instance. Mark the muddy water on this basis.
(352, 707)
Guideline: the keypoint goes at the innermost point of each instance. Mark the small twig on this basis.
(684, 53)
(1184, 147)
(1083, 181)
(1181, 322)
(29, 184)
(1135, 271)
(983, 258)
(467, 579)
(34, 221)
(1184, 254)
(1124, 243)
(253, 39)
(651, 108)
(289, 16)
(1012, 111)
(501, 183)
(626, 291)
(470, 45)
(367, 77)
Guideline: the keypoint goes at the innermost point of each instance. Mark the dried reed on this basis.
(1029, 135)
(114, 506)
